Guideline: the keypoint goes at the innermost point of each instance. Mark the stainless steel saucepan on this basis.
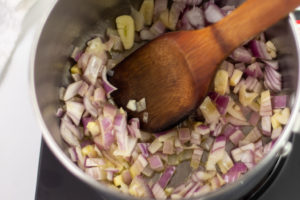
(73, 22)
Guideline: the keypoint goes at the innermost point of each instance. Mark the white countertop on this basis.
(20, 135)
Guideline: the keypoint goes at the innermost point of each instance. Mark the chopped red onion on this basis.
(213, 13)
(236, 137)
(266, 106)
(96, 173)
(234, 173)
(158, 192)
(175, 11)
(83, 60)
(251, 137)
(254, 70)
(202, 190)
(216, 153)
(72, 90)
(248, 159)
(74, 130)
(140, 187)
(109, 88)
(146, 34)
(207, 142)
(166, 176)
(107, 133)
(76, 54)
(276, 132)
(229, 129)
(191, 192)
(99, 95)
(241, 54)
(227, 9)
(74, 111)
(195, 17)
(217, 131)
(60, 112)
(158, 28)
(236, 122)
(196, 158)
(279, 101)
(83, 89)
(94, 162)
(168, 147)
(155, 146)
(144, 149)
(254, 118)
(227, 66)
(90, 107)
(266, 125)
(195, 138)
(159, 6)
(225, 164)
(73, 154)
(272, 79)
(94, 66)
(184, 135)
(202, 129)
(134, 128)
(222, 104)
(272, 63)
(259, 49)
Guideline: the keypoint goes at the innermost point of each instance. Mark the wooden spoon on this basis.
(174, 71)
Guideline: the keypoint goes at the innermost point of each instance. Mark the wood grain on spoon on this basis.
(174, 71)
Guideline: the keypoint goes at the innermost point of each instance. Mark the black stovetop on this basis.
(56, 183)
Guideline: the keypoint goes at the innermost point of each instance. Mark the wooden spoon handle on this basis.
(251, 18)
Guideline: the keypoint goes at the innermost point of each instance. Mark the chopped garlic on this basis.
(131, 105)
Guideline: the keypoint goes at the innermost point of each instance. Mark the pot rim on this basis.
(76, 171)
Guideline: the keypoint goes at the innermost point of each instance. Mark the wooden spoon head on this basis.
(159, 73)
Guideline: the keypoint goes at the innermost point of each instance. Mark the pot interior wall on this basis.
(73, 22)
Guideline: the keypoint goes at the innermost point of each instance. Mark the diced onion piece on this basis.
(195, 137)
(131, 105)
(195, 17)
(234, 173)
(94, 66)
(236, 122)
(216, 153)
(265, 101)
(236, 137)
(266, 125)
(138, 166)
(254, 118)
(283, 116)
(241, 54)
(196, 158)
(225, 164)
(209, 111)
(67, 135)
(221, 81)
(158, 192)
(144, 149)
(159, 7)
(94, 162)
(147, 9)
(166, 176)
(139, 188)
(72, 90)
(96, 173)
(184, 135)
(155, 163)
(189, 2)
(168, 147)
(279, 101)
(126, 177)
(259, 49)
(139, 20)
(236, 77)
(74, 111)
(158, 28)
(109, 88)
(173, 15)
(254, 70)
(251, 137)
(276, 133)
(155, 146)
(213, 13)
